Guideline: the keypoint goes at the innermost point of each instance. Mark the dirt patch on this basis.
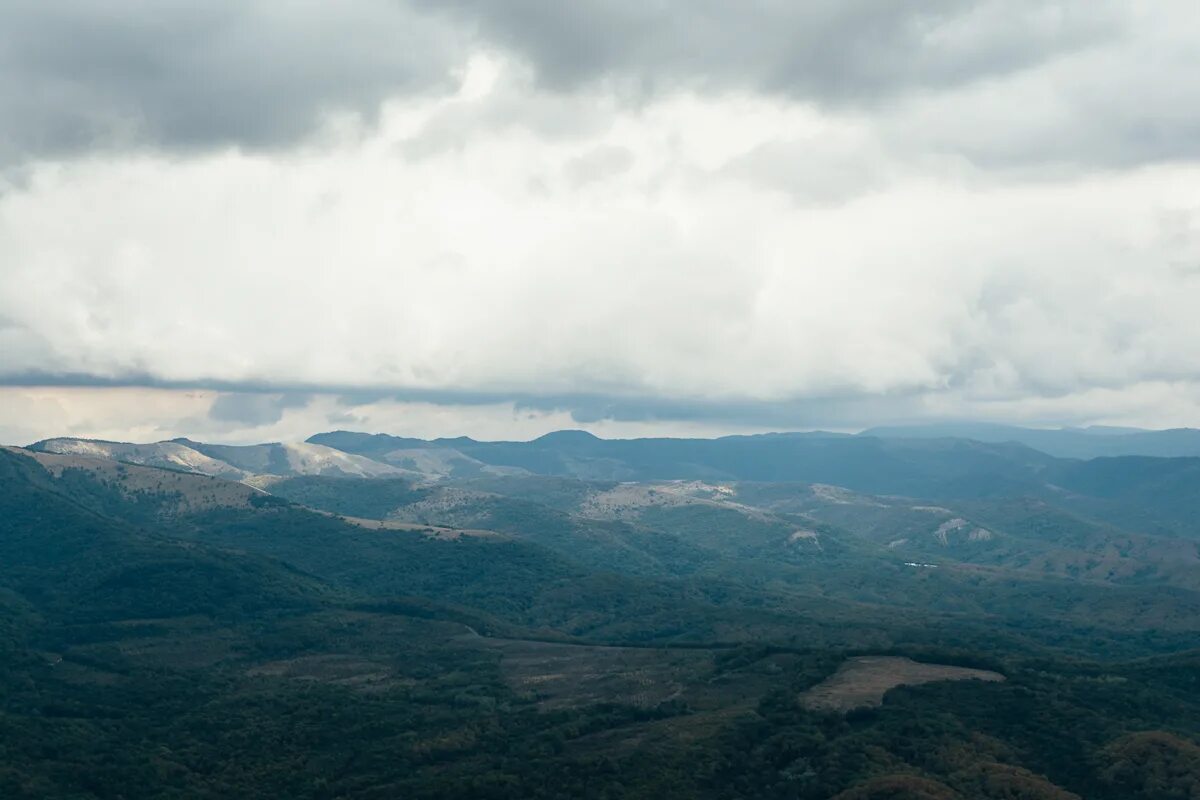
(428, 531)
(341, 670)
(863, 681)
(955, 527)
(627, 500)
(563, 676)
(440, 505)
(841, 497)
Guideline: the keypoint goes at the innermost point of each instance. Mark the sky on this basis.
(242, 221)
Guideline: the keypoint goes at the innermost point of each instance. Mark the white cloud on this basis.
(1134, 101)
(713, 247)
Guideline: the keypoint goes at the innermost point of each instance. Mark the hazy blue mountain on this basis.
(955, 467)
(1155, 495)
(1092, 442)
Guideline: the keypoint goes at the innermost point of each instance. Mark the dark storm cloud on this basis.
(80, 76)
(1130, 98)
(838, 51)
(799, 414)
(256, 404)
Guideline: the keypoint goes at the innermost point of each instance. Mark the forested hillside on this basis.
(170, 634)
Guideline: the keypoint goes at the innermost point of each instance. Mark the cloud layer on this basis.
(743, 215)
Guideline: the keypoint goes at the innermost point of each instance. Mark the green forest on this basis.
(167, 636)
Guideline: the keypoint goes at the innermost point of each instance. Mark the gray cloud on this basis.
(837, 51)
(1128, 104)
(508, 106)
(1003, 84)
(819, 171)
(255, 404)
(80, 76)
(249, 406)
(254, 409)
(598, 164)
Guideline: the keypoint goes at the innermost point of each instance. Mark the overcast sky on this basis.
(243, 220)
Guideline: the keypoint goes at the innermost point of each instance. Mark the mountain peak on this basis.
(568, 437)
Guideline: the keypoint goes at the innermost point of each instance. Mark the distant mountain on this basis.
(226, 461)
(956, 467)
(437, 458)
(167, 455)
(1092, 442)
(1139, 493)
(296, 458)
(1158, 495)
(1155, 495)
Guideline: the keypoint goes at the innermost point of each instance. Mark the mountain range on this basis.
(365, 615)
(580, 454)
(1091, 442)
(1160, 494)
(583, 455)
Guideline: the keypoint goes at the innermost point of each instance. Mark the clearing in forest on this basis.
(863, 681)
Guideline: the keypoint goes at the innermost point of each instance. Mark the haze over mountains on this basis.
(1090, 442)
(1081, 443)
(955, 458)
(873, 484)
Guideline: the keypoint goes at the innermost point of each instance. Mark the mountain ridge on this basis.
(1089, 442)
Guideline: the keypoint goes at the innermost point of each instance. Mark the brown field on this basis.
(564, 675)
(429, 531)
(335, 668)
(863, 681)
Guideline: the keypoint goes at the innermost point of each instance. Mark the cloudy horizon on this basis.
(249, 222)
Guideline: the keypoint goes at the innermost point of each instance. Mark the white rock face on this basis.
(316, 459)
(442, 462)
(301, 459)
(957, 526)
(171, 455)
